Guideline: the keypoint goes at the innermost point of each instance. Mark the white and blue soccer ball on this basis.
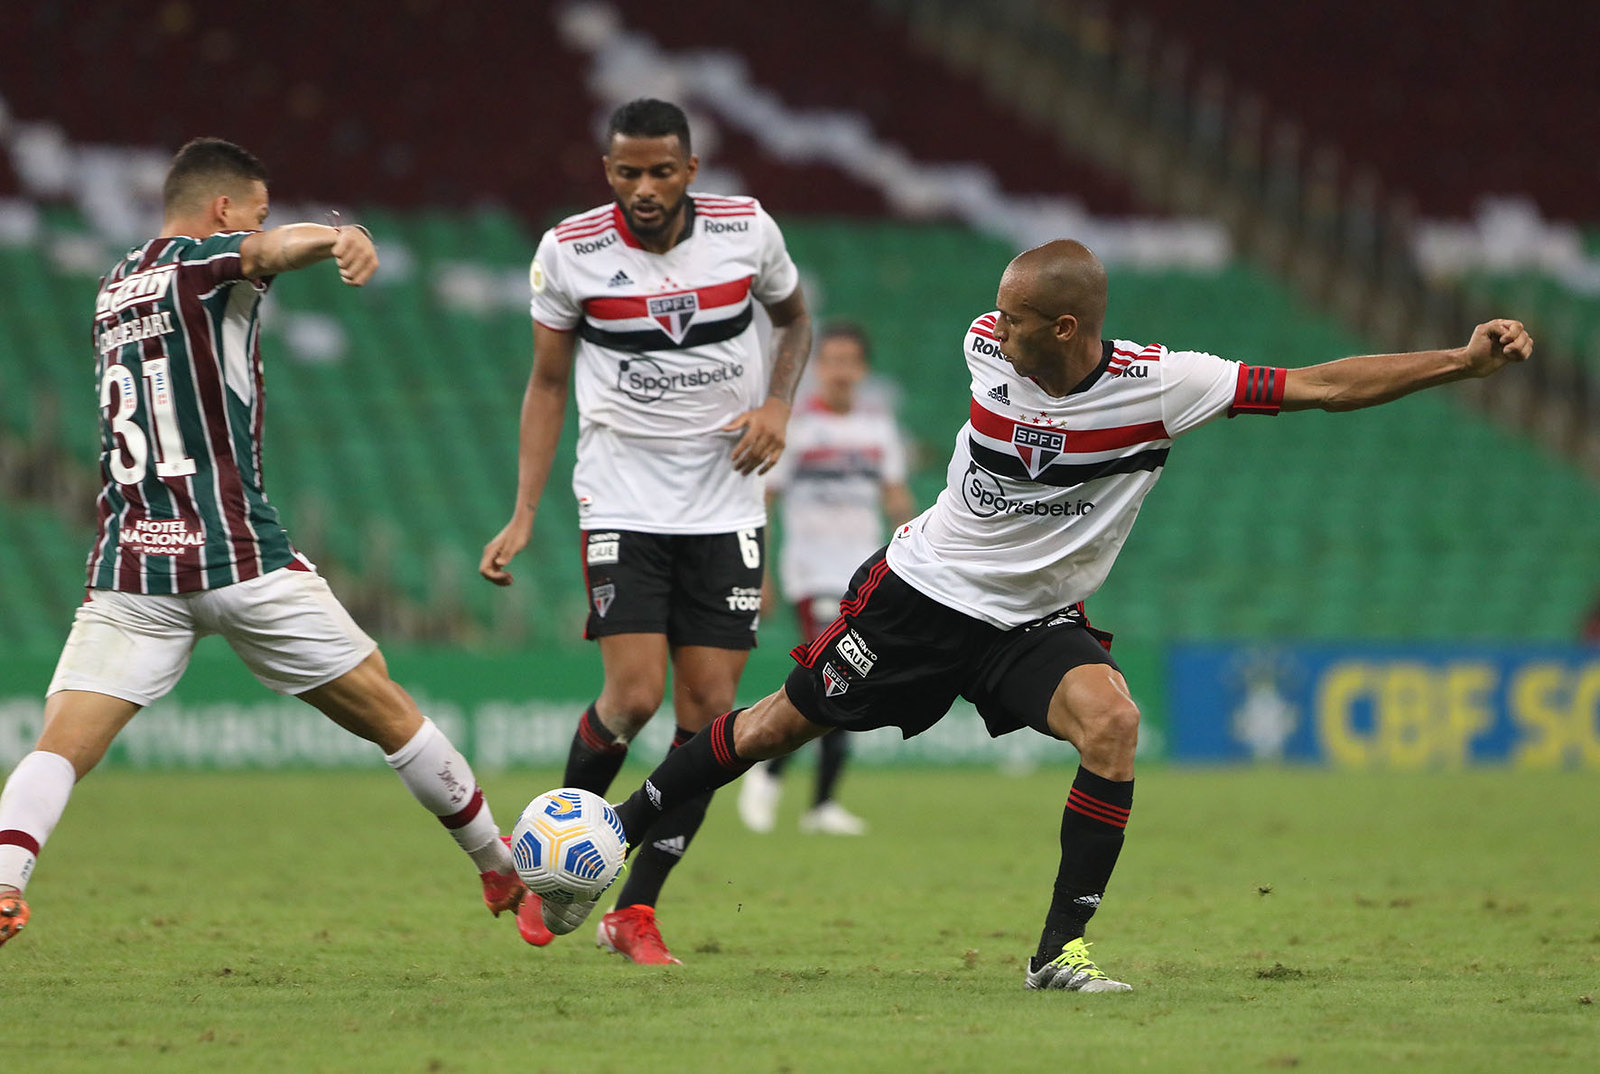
(568, 845)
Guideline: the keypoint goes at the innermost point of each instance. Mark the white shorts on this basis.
(287, 627)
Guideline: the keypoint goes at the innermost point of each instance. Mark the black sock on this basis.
(595, 757)
(835, 748)
(664, 845)
(704, 763)
(776, 766)
(1092, 824)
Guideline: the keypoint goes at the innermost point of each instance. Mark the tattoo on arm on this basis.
(791, 345)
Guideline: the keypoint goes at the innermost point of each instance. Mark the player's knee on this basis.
(771, 728)
(699, 703)
(1110, 729)
(628, 707)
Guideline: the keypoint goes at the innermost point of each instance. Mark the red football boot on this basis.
(633, 931)
(530, 915)
(13, 913)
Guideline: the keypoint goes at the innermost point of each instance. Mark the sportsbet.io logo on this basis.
(644, 380)
(985, 496)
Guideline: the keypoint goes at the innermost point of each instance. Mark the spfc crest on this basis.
(674, 313)
(1037, 447)
(603, 595)
(833, 683)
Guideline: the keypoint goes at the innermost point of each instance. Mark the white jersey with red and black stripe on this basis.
(1042, 490)
(831, 478)
(178, 366)
(667, 354)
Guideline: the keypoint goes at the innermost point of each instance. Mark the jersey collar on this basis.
(620, 219)
(1106, 349)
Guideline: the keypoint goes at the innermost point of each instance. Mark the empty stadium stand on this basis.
(1424, 91)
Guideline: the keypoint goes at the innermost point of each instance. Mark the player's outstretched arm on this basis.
(1371, 379)
(294, 246)
(766, 427)
(544, 406)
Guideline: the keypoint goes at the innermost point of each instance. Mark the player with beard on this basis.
(648, 303)
(981, 596)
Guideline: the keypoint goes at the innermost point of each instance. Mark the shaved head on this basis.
(1062, 276)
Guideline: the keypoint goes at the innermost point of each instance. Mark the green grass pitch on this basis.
(1267, 919)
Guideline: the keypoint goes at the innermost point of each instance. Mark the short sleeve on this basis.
(216, 259)
(1197, 387)
(553, 305)
(776, 275)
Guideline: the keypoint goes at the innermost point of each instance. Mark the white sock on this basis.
(30, 806)
(438, 776)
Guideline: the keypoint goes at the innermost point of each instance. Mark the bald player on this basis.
(981, 596)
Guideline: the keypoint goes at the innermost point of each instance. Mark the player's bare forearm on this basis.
(544, 407)
(765, 428)
(790, 346)
(1373, 379)
(295, 246)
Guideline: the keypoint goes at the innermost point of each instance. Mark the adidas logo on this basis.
(674, 846)
(618, 280)
(998, 394)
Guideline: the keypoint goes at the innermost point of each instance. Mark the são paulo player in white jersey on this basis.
(843, 472)
(982, 595)
(648, 303)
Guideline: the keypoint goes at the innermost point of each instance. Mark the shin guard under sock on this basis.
(664, 844)
(1092, 825)
(595, 757)
(704, 763)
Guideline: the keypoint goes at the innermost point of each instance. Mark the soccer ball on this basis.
(568, 845)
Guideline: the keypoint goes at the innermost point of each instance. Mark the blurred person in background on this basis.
(843, 472)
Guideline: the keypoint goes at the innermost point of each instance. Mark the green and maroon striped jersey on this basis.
(176, 339)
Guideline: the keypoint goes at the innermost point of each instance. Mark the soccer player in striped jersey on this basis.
(647, 303)
(189, 544)
(982, 595)
(842, 472)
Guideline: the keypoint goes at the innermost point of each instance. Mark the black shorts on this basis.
(697, 589)
(897, 658)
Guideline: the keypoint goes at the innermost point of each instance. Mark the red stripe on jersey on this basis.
(1149, 354)
(628, 237)
(625, 308)
(978, 331)
(601, 214)
(206, 367)
(720, 213)
(573, 236)
(1001, 428)
(1259, 390)
(718, 199)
